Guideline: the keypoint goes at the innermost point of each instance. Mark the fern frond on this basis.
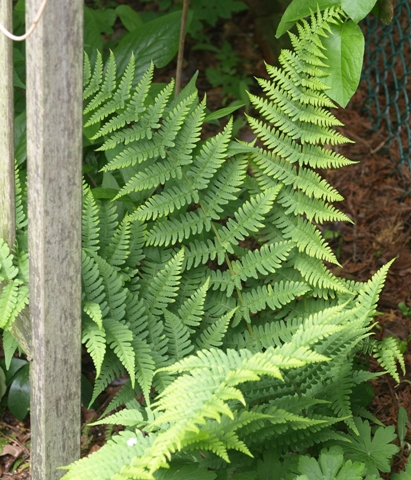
(94, 338)
(14, 297)
(192, 310)
(109, 83)
(90, 222)
(119, 337)
(188, 137)
(340, 396)
(92, 283)
(305, 235)
(212, 336)
(150, 177)
(92, 85)
(162, 289)
(124, 395)
(199, 252)
(298, 93)
(225, 281)
(163, 204)
(316, 274)
(314, 209)
(388, 354)
(211, 156)
(264, 261)
(117, 251)
(275, 296)
(21, 217)
(179, 344)
(369, 292)
(305, 180)
(136, 315)
(141, 140)
(93, 310)
(224, 187)
(247, 218)
(144, 366)
(296, 110)
(319, 157)
(120, 450)
(311, 132)
(132, 113)
(126, 417)
(7, 270)
(115, 294)
(137, 239)
(117, 99)
(108, 222)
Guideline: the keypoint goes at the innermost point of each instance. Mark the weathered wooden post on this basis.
(7, 203)
(54, 151)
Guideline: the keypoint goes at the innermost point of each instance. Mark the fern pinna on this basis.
(204, 275)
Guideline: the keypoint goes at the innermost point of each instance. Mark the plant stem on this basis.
(180, 56)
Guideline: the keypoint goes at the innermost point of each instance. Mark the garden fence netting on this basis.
(387, 69)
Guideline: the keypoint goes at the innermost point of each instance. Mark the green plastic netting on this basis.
(387, 68)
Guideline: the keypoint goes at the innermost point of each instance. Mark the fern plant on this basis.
(204, 275)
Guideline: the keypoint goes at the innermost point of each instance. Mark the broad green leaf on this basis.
(402, 424)
(19, 64)
(330, 465)
(155, 41)
(87, 393)
(222, 112)
(10, 346)
(92, 37)
(17, 80)
(404, 475)
(129, 17)
(374, 451)
(19, 394)
(3, 386)
(20, 142)
(15, 365)
(104, 18)
(345, 52)
(357, 9)
(299, 9)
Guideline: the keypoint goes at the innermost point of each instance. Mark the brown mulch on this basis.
(376, 200)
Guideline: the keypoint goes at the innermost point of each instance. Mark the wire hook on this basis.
(30, 30)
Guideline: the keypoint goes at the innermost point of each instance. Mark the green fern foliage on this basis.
(204, 278)
(252, 339)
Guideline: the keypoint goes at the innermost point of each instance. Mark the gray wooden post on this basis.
(7, 201)
(21, 326)
(54, 151)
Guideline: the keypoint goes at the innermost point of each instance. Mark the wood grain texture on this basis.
(54, 150)
(7, 193)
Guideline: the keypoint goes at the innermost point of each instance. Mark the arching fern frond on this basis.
(248, 218)
(132, 112)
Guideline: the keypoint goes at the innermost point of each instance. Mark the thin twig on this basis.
(180, 56)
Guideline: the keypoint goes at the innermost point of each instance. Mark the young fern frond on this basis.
(388, 354)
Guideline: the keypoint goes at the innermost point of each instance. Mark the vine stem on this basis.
(180, 56)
